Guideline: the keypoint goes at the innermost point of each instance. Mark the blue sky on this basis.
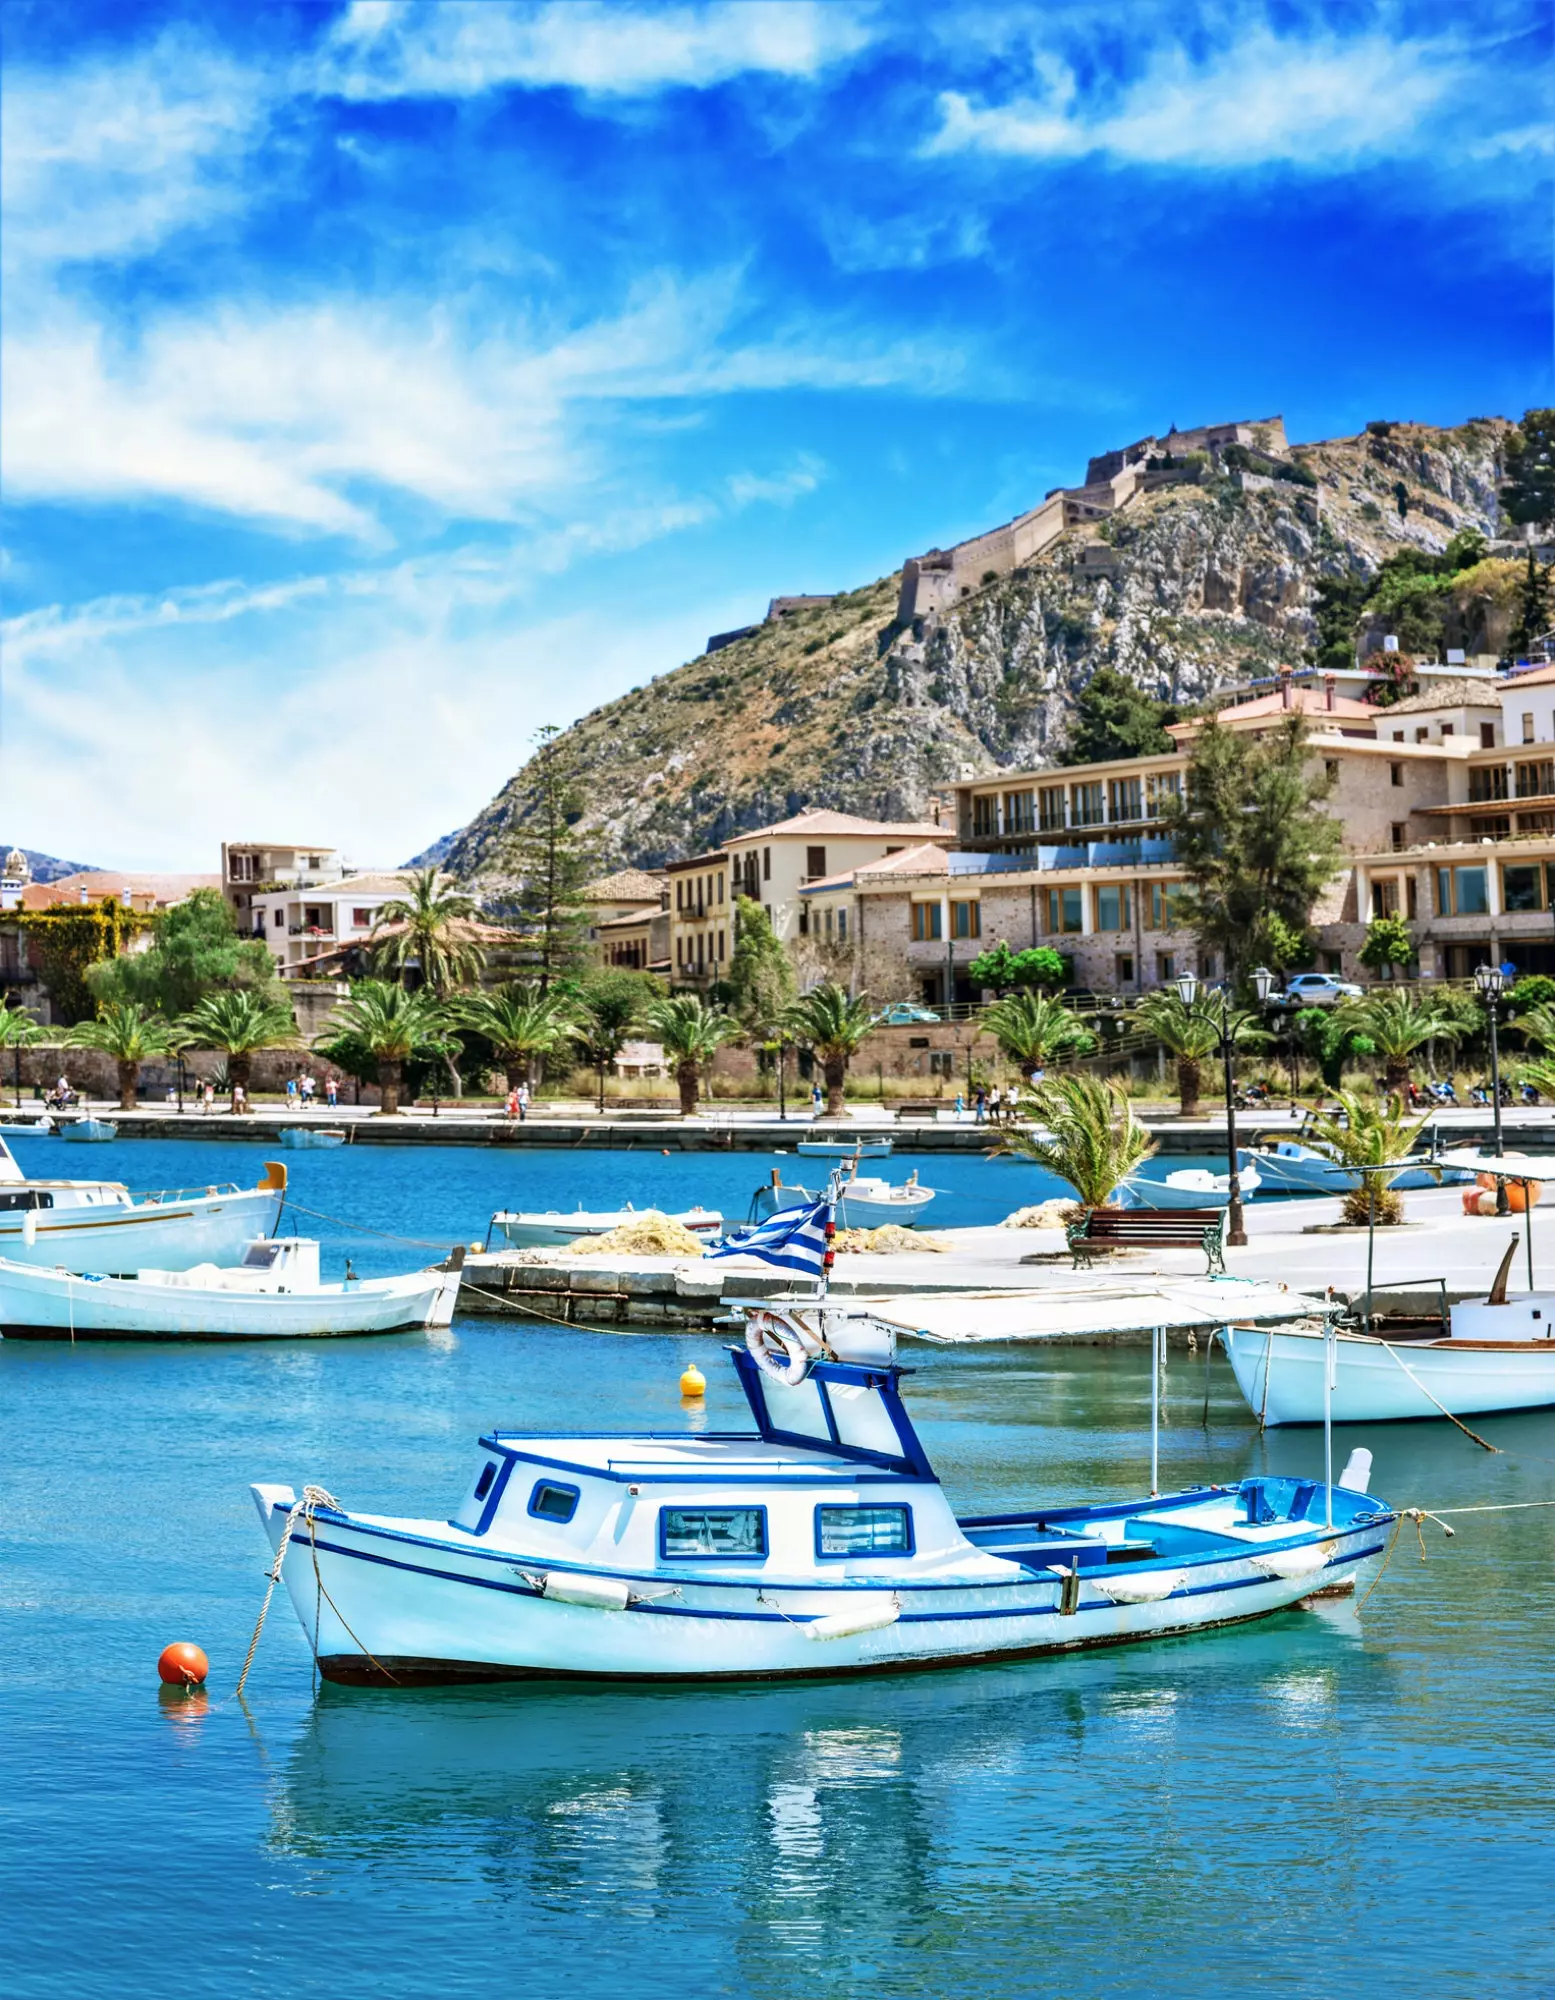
(383, 381)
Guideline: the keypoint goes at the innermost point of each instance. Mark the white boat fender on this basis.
(30, 1227)
(846, 1624)
(1138, 1586)
(1290, 1563)
(1357, 1470)
(598, 1593)
(779, 1347)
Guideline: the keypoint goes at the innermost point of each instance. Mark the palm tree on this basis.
(240, 1024)
(131, 1035)
(521, 1021)
(392, 1025)
(1363, 1133)
(18, 1031)
(1191, 1035)
(611, 1006)
(691, 1034)
(433, 927)
(1092, 1138)
(1538, 1026)
(1034, 1028)
(1397, 1024)
(831, 1025)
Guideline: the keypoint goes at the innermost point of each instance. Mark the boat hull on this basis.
(148, 1236)
(852, 1211)
(1306, 1172)
(51, 1305)
(546, 1231)
(303, 1137)
(391, 1606)
(1281, 1376)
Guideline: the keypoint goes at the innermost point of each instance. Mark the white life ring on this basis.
(779, 1347)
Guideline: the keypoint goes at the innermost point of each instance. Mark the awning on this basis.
(1509, 1166)
(961, 1317)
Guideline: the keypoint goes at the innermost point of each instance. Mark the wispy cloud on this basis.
(462, 48)
(1320, 100)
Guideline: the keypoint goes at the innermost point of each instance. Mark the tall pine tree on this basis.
(550, 860)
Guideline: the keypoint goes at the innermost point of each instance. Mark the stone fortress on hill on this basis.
(931, 583)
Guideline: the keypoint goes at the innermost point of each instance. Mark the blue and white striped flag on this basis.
(794, 1239)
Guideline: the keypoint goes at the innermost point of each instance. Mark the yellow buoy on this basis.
(693, 1383)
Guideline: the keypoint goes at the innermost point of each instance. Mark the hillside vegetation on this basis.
(1188, 589)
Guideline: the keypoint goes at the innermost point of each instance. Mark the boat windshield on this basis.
(853, 1411)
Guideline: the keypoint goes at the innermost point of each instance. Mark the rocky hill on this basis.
(1187, 589)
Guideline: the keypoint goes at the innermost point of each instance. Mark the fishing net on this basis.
(1051, 1214)
(650, 1234)
(889, 1237)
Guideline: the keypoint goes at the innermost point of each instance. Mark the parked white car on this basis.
(1316, 989)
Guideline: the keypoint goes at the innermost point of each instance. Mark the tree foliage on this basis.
(546, 853)
(1389, 941)
(131, 1035)
(691, 1034)
(606, 1008)
(1034, 1029)
(1086, 1134)
(1252, 835)
(1002, 970)
(760, 982)
(1535, 614)
(430, 927)
(1528, 491)
(195, 951)
(1360, 1133)
(1395, 1024)
(382, 1028)
(1114, 717)
(520, 1023)
(68, 943)
(832, 1024)
(1191, 1035)
(240, 1024)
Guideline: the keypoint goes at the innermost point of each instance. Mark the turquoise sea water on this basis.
(1321, 1804)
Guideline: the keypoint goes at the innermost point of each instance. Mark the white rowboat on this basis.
(540, 1229)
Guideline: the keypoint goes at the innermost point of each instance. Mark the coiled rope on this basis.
(313, 1497)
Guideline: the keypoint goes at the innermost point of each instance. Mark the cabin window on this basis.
(713, 1531)
(26, 1198)
(488, 1474)
(551, 1502)
(863, 1531)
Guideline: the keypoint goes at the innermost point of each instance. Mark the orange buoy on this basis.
(183, 1665)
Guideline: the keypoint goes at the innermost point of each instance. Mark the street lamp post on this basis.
(1491, 981)
(1225, 1031)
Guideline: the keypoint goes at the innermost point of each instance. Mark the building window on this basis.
(1126, 799)
(1114, 906)
(1020, 812)
(1536, 781)
(842, 927)
(1396, 773)
(1331, 769)
(1207, 965)
(815, 861)
(966, 920)
(926, 927)
(766, 864)
(1163, 786)
(1447, 729)
(1398, 736)
(1462, 892)
(1064, 910)
(985, 815)
(1333, 962)
(1423, 735)
(1411, 897)
(1384, 897)
(1487, 734)
(1087, 805)
(720, 881)
(1522, 887)
(1489, 782)
(1164, 900)
(1125, 968)
(1165, 967)
(1494, 828)
(1050, 809)
(276, 918)
(1528, 736)
(1399, 831)
(942, 1062)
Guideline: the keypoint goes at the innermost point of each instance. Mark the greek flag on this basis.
(794, 1239)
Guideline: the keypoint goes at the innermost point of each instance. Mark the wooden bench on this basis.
(1151, 1229)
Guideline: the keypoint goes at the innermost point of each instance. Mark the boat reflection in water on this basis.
(752, 1830)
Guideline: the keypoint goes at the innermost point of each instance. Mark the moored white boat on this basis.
(273, 1294)
(1288, 1167)
(1189, 1187)
(1494, 1359)
(818, 1542)
(89, 1129)
(863, 1202)
(536, 1229)
(846, 1149)
(304, 1137)
(100, 1226)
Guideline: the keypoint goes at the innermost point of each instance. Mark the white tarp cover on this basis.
(1511, 1166)
(1089, 1309)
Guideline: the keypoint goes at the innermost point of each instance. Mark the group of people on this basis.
(518, 1102)
(992, 1105)
(302, 1090)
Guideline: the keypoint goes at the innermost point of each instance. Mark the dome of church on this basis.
(16, 869)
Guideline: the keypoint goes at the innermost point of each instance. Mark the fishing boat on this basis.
(1495, 1354)
(100, 1226)
(1189, 1187)
(1288, 1167)
(863, 1202)
(817, 1541)
(89, 1130)
(539, 1229)
(274, 1293)
(846, 1149)
(302, 1136)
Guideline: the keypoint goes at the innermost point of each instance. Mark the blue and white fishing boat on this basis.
(100, 1226)
(1189, 1187)
(864, 1201)
(312, 1137)
(818, 1541)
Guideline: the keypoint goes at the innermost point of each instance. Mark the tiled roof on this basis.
(816, 820)
(1303, 701)
(100, 882)
(923, 859)
(627, 885)
(1448, 694)
(1539, 677)
(626, 922)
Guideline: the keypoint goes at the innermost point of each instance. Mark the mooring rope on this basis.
(312, 1496)
(364, 1228)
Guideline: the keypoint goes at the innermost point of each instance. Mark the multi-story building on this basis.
(1443, 824)
(305, 925)
(773, 864)
(250, 866)
(701, 919)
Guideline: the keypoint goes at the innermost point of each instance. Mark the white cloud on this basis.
(302, 419)
(1263, 100)
(105, 159)
(460, 48)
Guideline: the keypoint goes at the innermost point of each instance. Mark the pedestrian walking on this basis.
(331, 1091)
(817, 1099)
(995, 1104)
(513, 1102)
(291, 1093)
(980, 1105)
(522, 1094)
(308, 1088)
(207, 1099)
